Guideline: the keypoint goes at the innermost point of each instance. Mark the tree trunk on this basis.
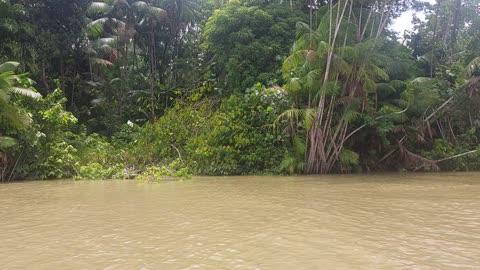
(44, 77)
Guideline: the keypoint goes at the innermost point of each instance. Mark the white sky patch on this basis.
(404, 22)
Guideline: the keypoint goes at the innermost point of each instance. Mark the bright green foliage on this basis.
(357, 101)
(241, 139)
(100, 159)
(14, 119)
(50, 140)
(443, 149)
(174, 171)
(160, 89)
(235, 139)
(11, 115)
(96, 171)
(164, 141)
(249, 43)
(332, 75)
(142, 56)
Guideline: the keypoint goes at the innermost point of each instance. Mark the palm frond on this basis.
(92, 52)
(107, 51)
(293, 86)
(306, 116)
(140, 5)
(473, 67)
(96, 28)
(101, 62)
(154, 13)
(292, 164)
(351, 112)
(96, 8)
(299, 145)
(108, 41)
(350, 115)
(302, 29)
(4, 99)
(420, 94)
(380, 73)
(309, 117)
(305, 42)
(120, 3)
(8, 66)
(384, 90)
(398, 85)
(294, 60)
(314, 79)
(288, 164)
(12, 117)
(7, 142)
(7, 79)
(331, 88)
(26, 92)
(323, 48)
(345, 101)
(422, 81)
(369, 85)
(157, 14)
(341, 66)
(348, 157)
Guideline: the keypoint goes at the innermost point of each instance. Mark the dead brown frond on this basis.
(473, 87)
(416, 162)
(346, 100)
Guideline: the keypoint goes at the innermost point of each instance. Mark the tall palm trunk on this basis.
(152, 75)
(328, 135)
(317, 140)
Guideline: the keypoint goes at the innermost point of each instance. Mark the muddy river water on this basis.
(388, 221)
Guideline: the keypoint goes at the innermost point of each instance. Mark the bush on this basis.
(164, 141)
(173, 171)
(49, 141)
(241, 139)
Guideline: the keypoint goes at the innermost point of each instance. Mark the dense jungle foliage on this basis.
(168, 88)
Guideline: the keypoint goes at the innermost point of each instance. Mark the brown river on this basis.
(391, 221)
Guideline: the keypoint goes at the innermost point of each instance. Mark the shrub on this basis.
(241, 139)
(173, 171)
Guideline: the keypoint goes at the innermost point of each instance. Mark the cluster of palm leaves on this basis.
(333, 72)
(344, 78)
(134, 35)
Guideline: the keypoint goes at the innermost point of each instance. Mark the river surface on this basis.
(401, 221)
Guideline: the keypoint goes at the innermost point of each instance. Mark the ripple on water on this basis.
(333, 222)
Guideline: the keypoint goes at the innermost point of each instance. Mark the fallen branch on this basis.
(456, 156)
(439, 109)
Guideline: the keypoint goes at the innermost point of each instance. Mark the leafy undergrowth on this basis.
(155, 174)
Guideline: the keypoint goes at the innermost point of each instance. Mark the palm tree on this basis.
(332, 72)
(116, 31)
(123, 31)
(12, 117)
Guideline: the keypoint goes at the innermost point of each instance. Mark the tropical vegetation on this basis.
(163, 89)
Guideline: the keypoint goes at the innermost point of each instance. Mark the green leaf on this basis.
(293, 86)
(473, 67)
(97, 8)
(96, 28)
(7, 142)
(8, 66)
(348, 157)
(294, 60)
(26, 92)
